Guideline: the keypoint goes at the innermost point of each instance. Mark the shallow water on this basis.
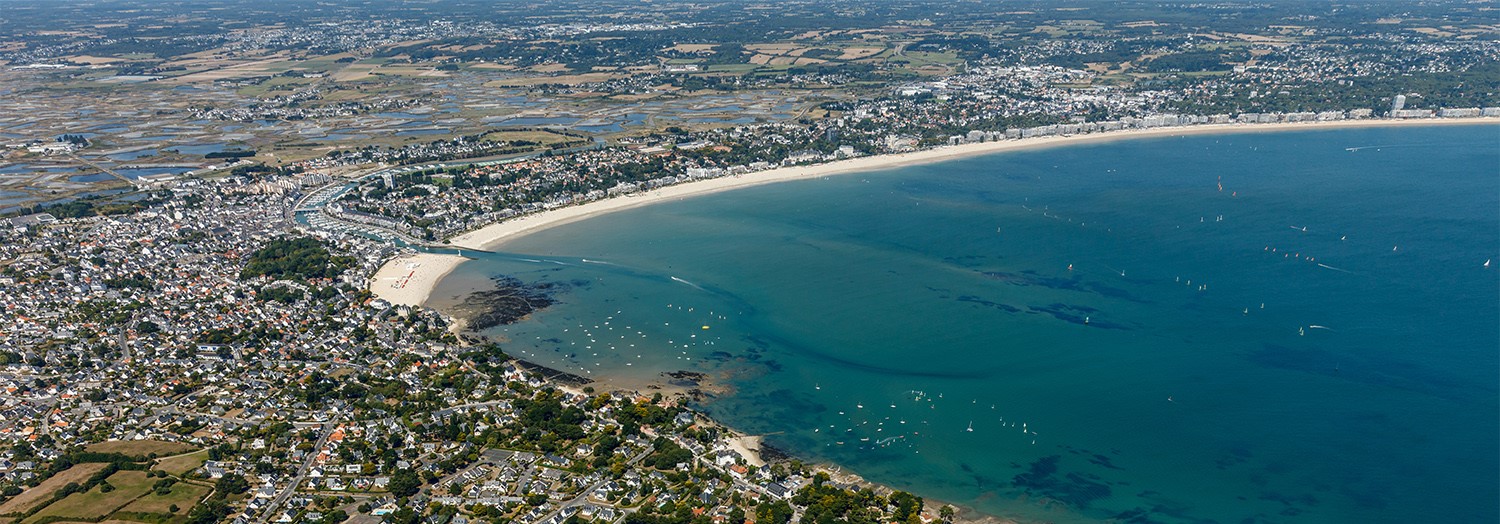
(1314, 342)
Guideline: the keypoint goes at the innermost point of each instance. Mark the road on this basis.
(583, 496)
(455, 409)
(301, 475)
(104, 169)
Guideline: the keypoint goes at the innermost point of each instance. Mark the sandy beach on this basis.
(748, 446)
(408, 280)
(495, 235)
(424, 277)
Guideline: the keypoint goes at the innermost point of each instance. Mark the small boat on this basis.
(1486, 262)
(971, 427)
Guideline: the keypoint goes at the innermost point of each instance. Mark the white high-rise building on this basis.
(1398, 103)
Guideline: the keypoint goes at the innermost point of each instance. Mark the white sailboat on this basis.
(971, 427)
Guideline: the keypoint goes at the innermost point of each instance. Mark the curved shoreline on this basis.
(497, 234)
(434, 267)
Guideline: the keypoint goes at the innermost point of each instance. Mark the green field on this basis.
(141, 448)
(282, 84)
(96, 504)
(732, 68)
(917, 60)
(183, 495)
(180, 465)
(43, 492)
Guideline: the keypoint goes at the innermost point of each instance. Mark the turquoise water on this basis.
(1315, 342)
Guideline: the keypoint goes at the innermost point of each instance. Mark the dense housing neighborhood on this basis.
(195, 211)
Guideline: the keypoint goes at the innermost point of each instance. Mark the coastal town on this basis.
(341, 93)
(199, 325)
(205, 317)
(208, 321)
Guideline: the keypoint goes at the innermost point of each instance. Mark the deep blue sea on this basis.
(1257, 327)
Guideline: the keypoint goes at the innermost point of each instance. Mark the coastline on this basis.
(752, 446)
(497, 234)
(408, 280)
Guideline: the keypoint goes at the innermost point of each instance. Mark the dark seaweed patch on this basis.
(1075, 314)
(976, 300)
(1134, 516)
(1406, 376)
(1032, 278)
(782, 406)
(1101, 460)
(1075, 490)
(509, 301)
(1293, 503)
(966, 260)
(1162, 509)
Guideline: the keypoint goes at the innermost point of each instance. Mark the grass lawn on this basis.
(920, 59)
(141, 448)
(33, 497)
(183, 495)
(181, 464)
(95, 504)
(733, 68)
